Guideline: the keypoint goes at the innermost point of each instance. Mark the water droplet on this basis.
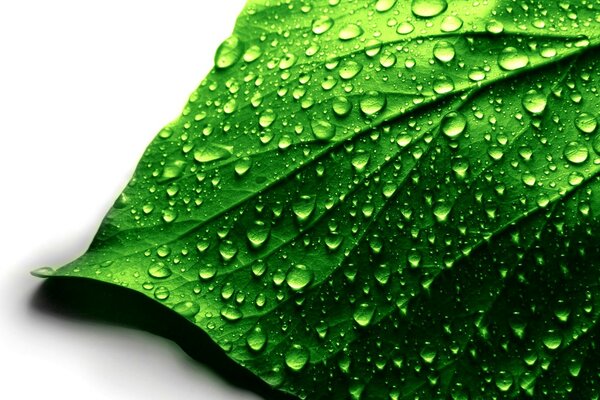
(159, 271)
(444, 51)
(212, 152)
(428, 353)
(428, 8)
(231, 313)
(187, 309)
(298, 277)
(296, 357)
(494, 27)
(385, 5)
(586, 123)
(525, 152)
(161, 293)
(259, 268)
(443, 85)
(404, 28)
(242, 166)
(363, 314)
(43, 272)
(360, 160)
(341, 106)
(322, 24)
(454, 124)
(256, 339)
(252, 53)
(534, 102)
(372, 102)
(451, 23)
(228, 250)
(504, 381)
(552, 340)
(258, 234)
(323, 130)
(476, 74)
(304, 207)
(207, 271)
(511, 59)
(349, 69)
(350, 31)
(576, 152)
(229, 52)
(267, 118)
(441, 210)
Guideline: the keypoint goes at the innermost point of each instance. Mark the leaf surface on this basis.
(382, 199)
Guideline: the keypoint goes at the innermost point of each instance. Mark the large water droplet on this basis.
(350, 31)
(428, 8)
(322, 24)
(159, 271)
(298, 277)
(349, 69)
(341, 106)
(296, 357)
(363, 314)
(256, 339)
(586, 123)
(504, 381)
(444, 51)
(229, 52)
(231, 313)
(511, 59)
(454, 124)
(576, 152)
(534, 102)
(451, 23)
(258, 234)
(242, 166)
(384, 5)
(323, 130)
(360, 160)
(228, 250)
(304, 207)
(372, 102)
(212, 152)
(267, 118)
(187, 309)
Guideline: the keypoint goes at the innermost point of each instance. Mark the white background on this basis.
(84, 87)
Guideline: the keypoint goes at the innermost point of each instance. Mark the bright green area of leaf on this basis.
(382, 199)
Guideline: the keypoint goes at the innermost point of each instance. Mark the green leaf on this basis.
(382, 199)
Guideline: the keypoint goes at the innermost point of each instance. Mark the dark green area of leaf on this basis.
(382, 199)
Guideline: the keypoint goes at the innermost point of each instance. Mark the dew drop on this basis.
(159, 271)
(258, 234)
(504, 381)
(161, 293)
(372, 102)
(476, 74)
(444, 51)
(404, 28)
(363, 314)
(323, 130)
(304, 207)
(298, 277)
(454, 124)
(428, 353)
(231, 313)
(494, 26)
(552, 340)
(341, 107)
(212, 152)
(576, 152)
(586, 123)
(443, 85)
(229, 52)
(384, 5)
(252, 53)
(242, 166)
(360, 160)
(534, 102)
(441, 210)
(256, 339)
(296, 357)
(511, 59)
(43, 272)
(451, 23)
(322, 24)
(187, 309)
(349, 69)
(267, 118)
(350, 31)
(228, 250)
(428, 8)
(207, 271)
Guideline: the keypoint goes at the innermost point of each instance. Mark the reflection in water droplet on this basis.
(494, 27)
(231, 313)
(444, 51)
(256, 339)
(258, 234)
(159, 271)
(586, 123)
(384, 5)
(534, 102)
(296, 357)
(372, 102)
(322, 24)
(350, 31)
(212, 152)
(363, 314)
(323, 130)
(341, 106)
(454, 124)
(451, 24)
(304, 207)
(298, 277)
(405, 28)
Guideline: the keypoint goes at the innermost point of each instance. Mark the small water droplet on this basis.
(228, 250)
(258, 234)
(304, 207)
(159, 271)
(187, 309)
(444, 51)
(267, 118)
(372, 102)
(451, 23)
(494, 26)
(242, 166)
(212, 152)
(428, 353)
(43, 272)
(385, 5)
(161, 293)
(349, 69)
(504, 381)
(360, 160)
(404, 28)
(341, 106)
(231, 313)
